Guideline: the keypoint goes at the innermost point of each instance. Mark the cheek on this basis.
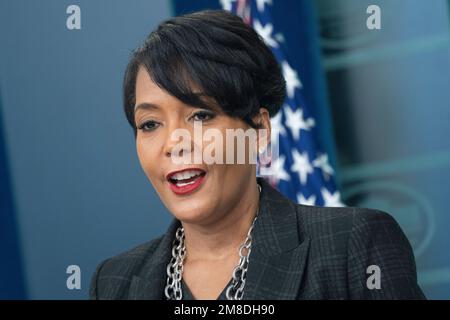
(146, 155)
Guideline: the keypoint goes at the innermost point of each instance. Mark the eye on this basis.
(149, 125)
(203, 115)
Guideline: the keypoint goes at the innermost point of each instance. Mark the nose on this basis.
(178, 141)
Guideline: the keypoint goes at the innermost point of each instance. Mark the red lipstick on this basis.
(185, 181)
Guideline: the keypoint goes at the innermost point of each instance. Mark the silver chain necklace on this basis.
(234, 291)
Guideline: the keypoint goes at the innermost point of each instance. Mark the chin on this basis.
(192, 217)
(190, 210)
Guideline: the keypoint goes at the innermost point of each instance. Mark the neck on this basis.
(223, 237)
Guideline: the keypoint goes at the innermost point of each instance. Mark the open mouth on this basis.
(186, 181)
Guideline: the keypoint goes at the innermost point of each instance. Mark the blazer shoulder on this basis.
(122, 267)
(358, 241)
(339, 227)
(140, 251)
(317, 222)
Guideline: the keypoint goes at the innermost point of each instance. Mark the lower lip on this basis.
(187, 188)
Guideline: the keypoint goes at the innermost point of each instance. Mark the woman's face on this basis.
(216, 187)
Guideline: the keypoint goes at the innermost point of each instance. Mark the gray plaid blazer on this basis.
(298, 252)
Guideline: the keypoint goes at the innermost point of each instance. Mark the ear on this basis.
(263, 119)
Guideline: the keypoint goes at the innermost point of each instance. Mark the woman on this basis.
(234, 236)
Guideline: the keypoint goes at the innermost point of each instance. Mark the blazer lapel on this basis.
(279, 253)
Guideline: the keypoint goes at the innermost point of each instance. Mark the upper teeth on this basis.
(186, 174)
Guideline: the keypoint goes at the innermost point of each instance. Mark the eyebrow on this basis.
(146, 106)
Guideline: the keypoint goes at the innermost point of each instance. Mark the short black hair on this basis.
(215, 52)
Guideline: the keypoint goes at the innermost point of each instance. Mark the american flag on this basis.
(300, 169)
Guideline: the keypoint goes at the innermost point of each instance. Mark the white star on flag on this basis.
(260, 4)
(278, 169)
(322, 163)
(331, 200)
(301, 165)
(311, 201)
(291, 77)
(266, 33)
(227, 4)
(296, 122)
